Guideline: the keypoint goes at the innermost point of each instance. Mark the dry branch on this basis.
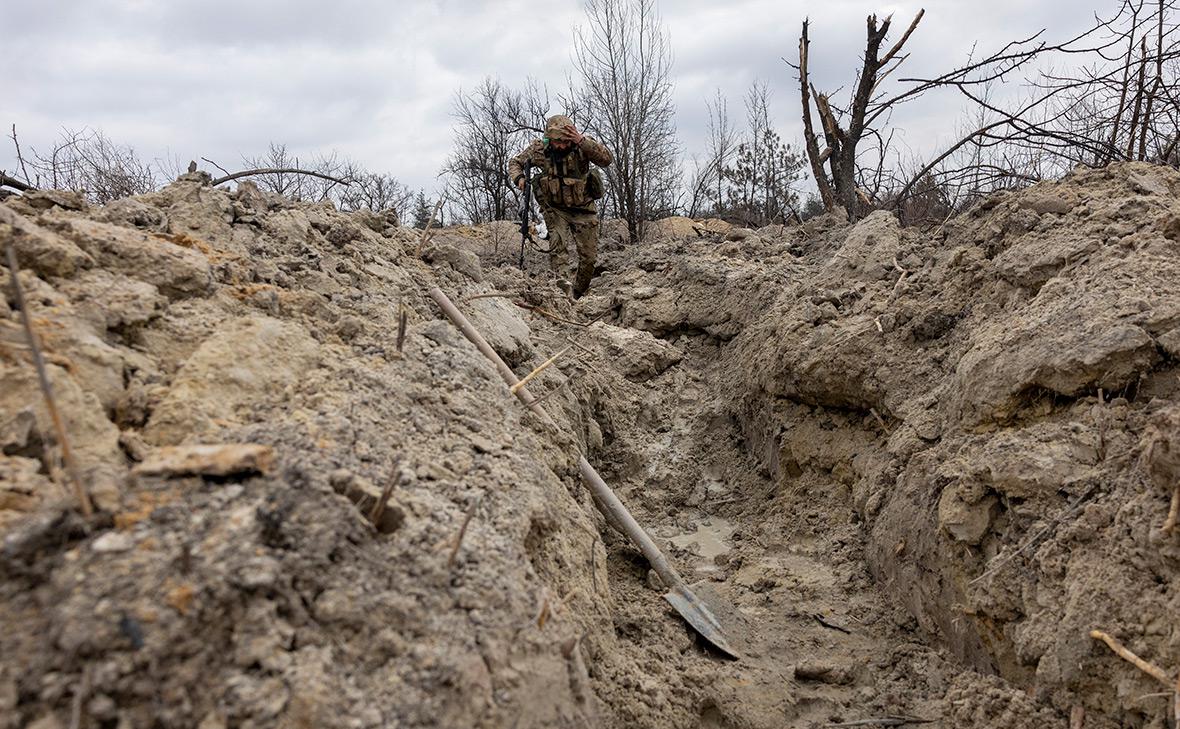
(378, 510)
(277, 171)
(426, 230)
(46, 389)
(1173, 512)
(463, 530)
(401, 324)
(7, 181)
(1122, 652)
(544, 365)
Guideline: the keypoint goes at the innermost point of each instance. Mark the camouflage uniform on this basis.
(559, 183)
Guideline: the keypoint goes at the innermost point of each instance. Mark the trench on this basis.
(780, 544)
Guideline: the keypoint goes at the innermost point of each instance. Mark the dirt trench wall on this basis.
(984, 395)
(198, 315)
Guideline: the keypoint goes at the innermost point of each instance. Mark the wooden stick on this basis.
(544, 365)
(884, 721)
(880, 420)
(46, 389)
(379, 507)
(426, 229)
(276, 170)
(1121, 651)
(401, 324)
(463, 530)
(1173, 512)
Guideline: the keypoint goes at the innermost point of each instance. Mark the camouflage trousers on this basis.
(579, 228)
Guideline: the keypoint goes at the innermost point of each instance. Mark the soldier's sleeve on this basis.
(517, 163)
(595, 152)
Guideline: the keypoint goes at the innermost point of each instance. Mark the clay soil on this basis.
(913, 468)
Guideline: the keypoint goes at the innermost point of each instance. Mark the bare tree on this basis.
(837, 187)
(494, 123)
(87, 161)
(374, 191)
(1118, 102)
(283, 173)
(624, 60)
(707, 187)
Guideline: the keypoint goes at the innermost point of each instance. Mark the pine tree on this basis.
(424, 212)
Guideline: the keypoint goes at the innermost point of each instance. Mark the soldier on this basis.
(566, 189)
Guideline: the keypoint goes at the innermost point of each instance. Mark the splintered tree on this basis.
(837, 184)
(1110, 95)
(624, 62)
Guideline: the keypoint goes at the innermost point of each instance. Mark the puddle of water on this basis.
(788, 565)
(710, 538)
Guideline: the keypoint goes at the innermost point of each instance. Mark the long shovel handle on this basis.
(606, 500)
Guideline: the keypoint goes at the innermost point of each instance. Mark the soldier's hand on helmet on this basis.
(572, 134)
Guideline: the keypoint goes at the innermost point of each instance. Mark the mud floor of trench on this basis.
(821, 643)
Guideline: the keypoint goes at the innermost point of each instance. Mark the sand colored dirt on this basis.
(919, 466)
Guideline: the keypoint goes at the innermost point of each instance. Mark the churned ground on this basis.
(918, 466)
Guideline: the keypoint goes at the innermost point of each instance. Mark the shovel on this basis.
(689, 605)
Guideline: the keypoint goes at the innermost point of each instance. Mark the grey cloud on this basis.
(376, 80)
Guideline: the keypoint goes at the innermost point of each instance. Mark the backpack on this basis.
(594, 186)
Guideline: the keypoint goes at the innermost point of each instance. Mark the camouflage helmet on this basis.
(555, 126)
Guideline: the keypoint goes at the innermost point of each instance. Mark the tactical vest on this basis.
(568, 180)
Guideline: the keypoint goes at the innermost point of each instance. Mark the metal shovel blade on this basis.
(697, 613)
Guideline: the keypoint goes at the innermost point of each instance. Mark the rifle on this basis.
(526, 210)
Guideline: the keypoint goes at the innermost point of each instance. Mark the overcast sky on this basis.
(376, 80)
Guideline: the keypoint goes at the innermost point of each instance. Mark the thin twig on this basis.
(820, 619)
(20, 159)
(378, 510)
(463, 530)
(217, 165)
(544, 365)
(884, 721)
(47, 390)
(550, 315)
(80, 695)
(1002, 561)
(492, 295)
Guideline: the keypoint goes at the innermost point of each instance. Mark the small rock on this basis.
(823, 672)
(257, 572)
(113, 542)
(207, 460)
(1145, 185)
